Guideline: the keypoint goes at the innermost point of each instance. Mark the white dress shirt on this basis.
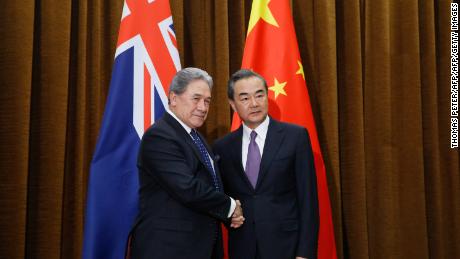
(261, 131)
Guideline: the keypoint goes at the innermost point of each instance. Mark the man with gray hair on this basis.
(181, 200)
(269, 165)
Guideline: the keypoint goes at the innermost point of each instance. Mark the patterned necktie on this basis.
(253, 160)
(204, 154)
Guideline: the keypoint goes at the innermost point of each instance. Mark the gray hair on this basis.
(187, 75)
(239, 75)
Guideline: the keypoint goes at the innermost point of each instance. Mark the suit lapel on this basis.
(273, 141)
(195, 150)
(186, 136)
(213, 159)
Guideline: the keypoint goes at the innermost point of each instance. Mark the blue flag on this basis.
(146, 60)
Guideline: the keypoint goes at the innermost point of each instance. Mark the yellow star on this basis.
(259, 11)
(278, 88)
(300, 71)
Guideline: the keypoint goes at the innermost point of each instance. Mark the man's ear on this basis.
(232, 104)
(172, 99)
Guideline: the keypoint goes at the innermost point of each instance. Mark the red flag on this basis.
(271, 50)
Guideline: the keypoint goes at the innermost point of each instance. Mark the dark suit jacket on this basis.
(179, 206)
(282, 211)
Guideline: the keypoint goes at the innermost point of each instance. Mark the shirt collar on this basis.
(261, 130)
(187, 128)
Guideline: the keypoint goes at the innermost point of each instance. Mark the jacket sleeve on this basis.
(217, 152)
(307, 197)
(163, 158)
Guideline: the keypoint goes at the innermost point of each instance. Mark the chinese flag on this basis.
(271, 50)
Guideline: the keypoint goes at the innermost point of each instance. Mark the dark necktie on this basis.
(205, 156)
(253, 160)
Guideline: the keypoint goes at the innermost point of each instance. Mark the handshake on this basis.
(237, 216)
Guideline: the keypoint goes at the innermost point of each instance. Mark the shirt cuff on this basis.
(232, 207)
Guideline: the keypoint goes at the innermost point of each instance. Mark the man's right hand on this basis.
(237, 216)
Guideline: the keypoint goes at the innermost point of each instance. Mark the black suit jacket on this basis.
(282, 211)
(179, 205)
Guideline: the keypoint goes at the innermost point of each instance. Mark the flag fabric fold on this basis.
(146, 60)
(271, 50)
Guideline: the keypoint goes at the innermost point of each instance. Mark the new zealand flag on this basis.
(146, 60)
